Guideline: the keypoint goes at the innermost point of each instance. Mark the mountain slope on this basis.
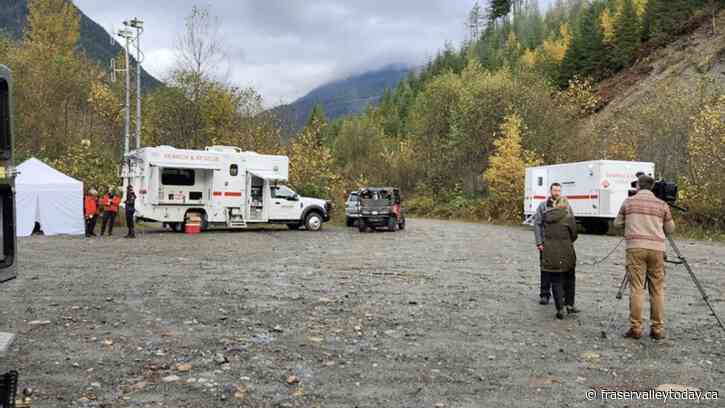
(340, 98)
(93, 40)
(654, 100)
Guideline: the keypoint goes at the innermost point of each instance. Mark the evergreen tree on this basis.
(499, 8)
(626, 35)
(668, 16)
(648, 20)
(317, 117)
(587, 55)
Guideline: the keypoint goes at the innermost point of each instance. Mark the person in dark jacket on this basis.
(554, 194)
(130, 211)
(558, 255)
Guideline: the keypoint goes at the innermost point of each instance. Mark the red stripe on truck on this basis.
(572, 197)
(232, 194)
(582, 197)
(217, 194)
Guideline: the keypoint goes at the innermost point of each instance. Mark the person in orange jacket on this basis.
(110, 203)
(90, 207)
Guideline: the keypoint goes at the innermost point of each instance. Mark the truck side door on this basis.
(285, 204)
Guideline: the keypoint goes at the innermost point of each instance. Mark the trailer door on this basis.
(538, 187)
(233, 190)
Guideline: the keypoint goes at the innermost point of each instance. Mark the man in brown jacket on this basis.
(646, 220)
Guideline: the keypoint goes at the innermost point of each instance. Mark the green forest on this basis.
(521, 91)
(456, 135)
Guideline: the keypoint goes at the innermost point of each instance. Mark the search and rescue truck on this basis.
(221, 185)
(595, 189)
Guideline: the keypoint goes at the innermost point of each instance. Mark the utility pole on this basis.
(138, 25)
(127, 35)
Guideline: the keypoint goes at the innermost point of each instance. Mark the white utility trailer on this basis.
(595, 189)
(221, 185)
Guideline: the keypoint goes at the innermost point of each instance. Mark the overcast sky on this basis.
(285, 48)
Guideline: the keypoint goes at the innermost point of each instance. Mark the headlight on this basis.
(375, 213)
(366, 212)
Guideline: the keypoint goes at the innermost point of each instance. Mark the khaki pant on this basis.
(650, 265)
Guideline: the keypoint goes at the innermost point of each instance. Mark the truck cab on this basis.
(288, 207)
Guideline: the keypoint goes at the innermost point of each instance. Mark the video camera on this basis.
(665, 190)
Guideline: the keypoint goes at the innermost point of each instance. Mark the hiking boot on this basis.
(559, 315)
(657, 334)
(544, 300)
(572, 310)
(633, 334)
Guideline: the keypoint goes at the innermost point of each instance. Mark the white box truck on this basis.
(595, 189)
(221, 185)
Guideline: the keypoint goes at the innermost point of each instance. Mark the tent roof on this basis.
(35, 172)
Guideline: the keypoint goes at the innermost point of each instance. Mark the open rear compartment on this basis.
(257, 198)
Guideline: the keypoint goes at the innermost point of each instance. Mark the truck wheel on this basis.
(361, 225)
(596, 227)
(177, 226)
(401, 226)
(349, 222)
(313, 222)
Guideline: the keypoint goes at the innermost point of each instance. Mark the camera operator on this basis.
(646, 220)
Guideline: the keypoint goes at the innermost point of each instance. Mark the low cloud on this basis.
(284, 48)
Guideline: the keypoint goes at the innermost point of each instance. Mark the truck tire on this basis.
(349, 221)
(313, 222)
(177, 226)
(362, 226)
(596, 227)
(401, 226)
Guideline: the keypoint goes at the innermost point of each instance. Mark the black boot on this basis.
(559, 314)
(544, 300)
(572, 310)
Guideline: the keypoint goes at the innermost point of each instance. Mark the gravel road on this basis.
(443, 314)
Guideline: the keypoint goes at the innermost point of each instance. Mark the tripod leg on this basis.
(694, 279)
(623, 285)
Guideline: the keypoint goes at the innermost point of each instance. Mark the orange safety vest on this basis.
(90, 206)
(115, 202)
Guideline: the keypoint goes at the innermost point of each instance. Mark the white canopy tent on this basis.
(49, 197)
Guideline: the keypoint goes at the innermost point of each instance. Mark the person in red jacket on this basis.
(90, 207)
(110, 203)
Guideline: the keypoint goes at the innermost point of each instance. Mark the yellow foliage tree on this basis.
(555, 49)
(607, 21)
(704, 189)
(312, 166)
(507, 170)
(580, 97)
(53, 24)
(87, 162)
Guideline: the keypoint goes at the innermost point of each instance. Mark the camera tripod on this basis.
(681, 260)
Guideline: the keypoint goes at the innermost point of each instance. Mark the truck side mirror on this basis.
(295, 197)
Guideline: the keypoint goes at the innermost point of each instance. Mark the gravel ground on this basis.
(444, 314)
